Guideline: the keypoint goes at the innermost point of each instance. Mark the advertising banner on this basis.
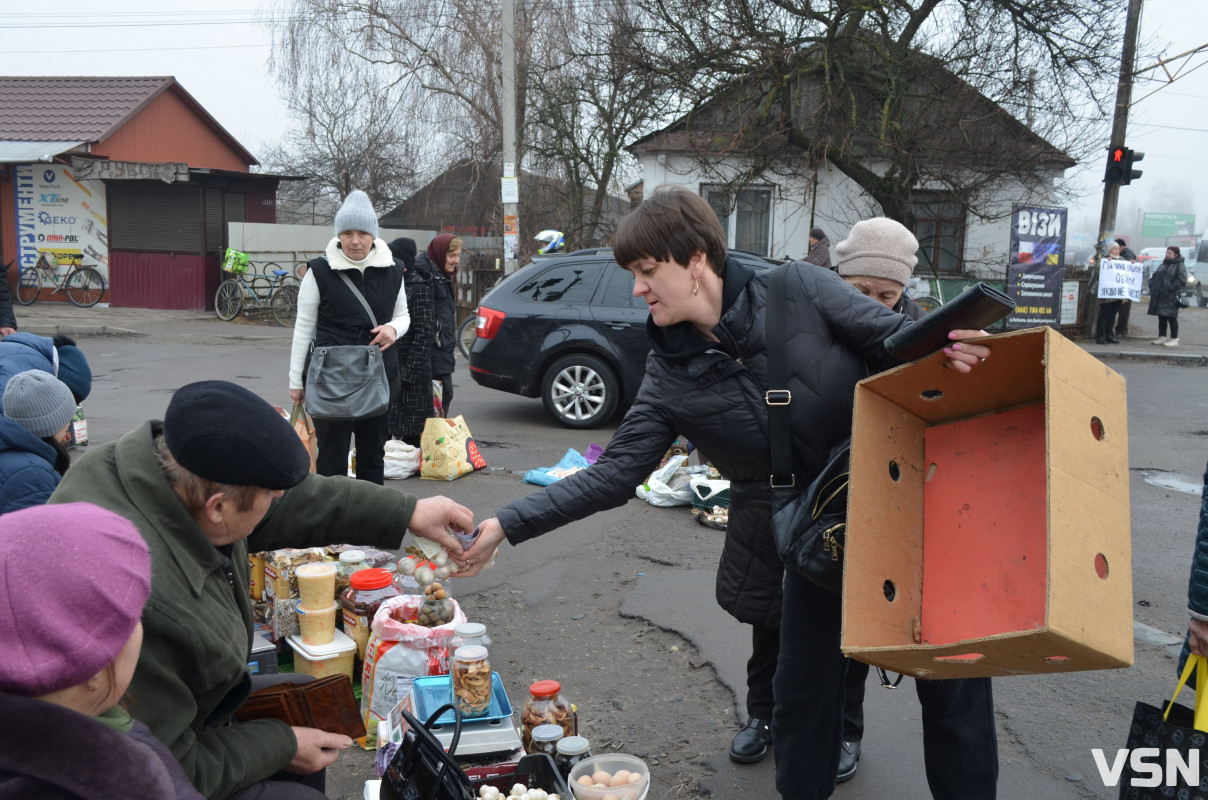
(1119, 280)
(61, 215)
(1037, 261)
(1157, 225)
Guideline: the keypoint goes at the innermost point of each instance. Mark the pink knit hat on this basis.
(73, 582)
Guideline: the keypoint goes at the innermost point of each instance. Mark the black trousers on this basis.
(1173, 322)
(1122, 318)
(853, 700)
(446, 395)
(960, 744)
(1106, 327)
(761, 667)
(334, 439)
(285, 785)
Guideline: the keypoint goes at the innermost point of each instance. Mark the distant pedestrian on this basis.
(819, 249)
(413, 403)
(1127, 254)
(1165, 286)
(8, 320)
(1105, 328)
(439, 263)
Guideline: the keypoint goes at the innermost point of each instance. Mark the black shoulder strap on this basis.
(778, 397)
(365, 303)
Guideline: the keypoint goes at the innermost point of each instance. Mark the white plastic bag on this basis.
(705, 488)
(669, 485)
(401, 460)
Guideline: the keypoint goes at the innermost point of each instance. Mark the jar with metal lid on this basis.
(570, 751)
(545, 739)
(546, 706)
(470, 633)
(367, 589)
(470, 674)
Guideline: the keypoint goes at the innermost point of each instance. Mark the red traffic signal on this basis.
(1120, 162)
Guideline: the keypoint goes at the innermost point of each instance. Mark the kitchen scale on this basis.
(495, 732)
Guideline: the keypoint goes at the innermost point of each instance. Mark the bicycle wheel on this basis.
(466, 334)
(284, 303)
(85, 287)
(927, 303)
(228, 300)
(28, 285)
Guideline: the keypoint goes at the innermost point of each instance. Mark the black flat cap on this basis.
(224, 433)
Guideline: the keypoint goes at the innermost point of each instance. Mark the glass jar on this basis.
(367, 589)
(545, 706)
(470, 633)
(350, 561)
(470, 675)
(571, 750)
(545, 739)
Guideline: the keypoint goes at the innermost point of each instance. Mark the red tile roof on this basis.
(82, 109)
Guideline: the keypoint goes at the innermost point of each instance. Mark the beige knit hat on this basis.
(879, 248)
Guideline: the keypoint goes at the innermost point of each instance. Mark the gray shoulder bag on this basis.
(347, 382)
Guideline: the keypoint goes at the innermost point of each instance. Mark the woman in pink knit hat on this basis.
(76, 577)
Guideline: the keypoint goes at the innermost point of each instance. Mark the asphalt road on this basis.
(619, 607)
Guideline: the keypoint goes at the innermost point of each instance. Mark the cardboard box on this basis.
(988, 515)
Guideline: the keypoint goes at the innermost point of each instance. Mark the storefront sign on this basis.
(1153, 224)
(96, 169)
(1037, 260)
(62, 215)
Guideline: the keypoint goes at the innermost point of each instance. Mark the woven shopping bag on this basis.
(1176, 727)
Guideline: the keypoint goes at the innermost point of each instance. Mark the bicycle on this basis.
(239, 292)
(84, 285)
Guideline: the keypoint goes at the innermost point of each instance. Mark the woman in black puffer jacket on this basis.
(1165, 286)
(706, 379)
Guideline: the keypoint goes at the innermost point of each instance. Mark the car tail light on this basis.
(488, 322)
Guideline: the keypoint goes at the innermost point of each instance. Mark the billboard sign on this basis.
(1162, 225)
(1037, 261)
(58, 214)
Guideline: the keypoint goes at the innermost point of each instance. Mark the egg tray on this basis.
(536, 771)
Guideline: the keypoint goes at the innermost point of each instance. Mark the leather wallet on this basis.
(974, 309)
(327, 704)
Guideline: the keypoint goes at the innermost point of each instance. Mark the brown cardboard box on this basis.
(988, 515)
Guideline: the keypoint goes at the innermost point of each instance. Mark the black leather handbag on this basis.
(421, 769)
(347, 382)
(810, 524)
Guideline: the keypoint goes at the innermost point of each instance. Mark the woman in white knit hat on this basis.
(330, 313)
(38, 407)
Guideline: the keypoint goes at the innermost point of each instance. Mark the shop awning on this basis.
(22, 152)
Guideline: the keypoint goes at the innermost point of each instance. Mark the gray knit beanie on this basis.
(357, 214)
(38, 402)
(879, 248)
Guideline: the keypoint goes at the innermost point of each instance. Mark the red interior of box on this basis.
(984, 526)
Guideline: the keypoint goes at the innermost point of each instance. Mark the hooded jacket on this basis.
(444, 299)
(23, 351)
(1165, 286)
(27, 468)
(197, 625)
(713, 393)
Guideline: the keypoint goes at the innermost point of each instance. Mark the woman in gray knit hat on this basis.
(330, 313)
(38, 407)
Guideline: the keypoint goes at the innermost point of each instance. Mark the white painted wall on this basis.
(288, 245)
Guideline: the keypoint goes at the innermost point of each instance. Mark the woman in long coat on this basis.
(1165, 286)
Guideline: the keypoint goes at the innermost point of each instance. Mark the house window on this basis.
(746, 216)
(939, 225)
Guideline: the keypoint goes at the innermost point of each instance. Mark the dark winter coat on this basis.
(27, 468)
(413, 404)
(1197, 586)
(7, 318)
(1165, 286)
(820, 253)
(50, 752)
(444, 299)
(25, 351)
(342, 318)
(713, 393)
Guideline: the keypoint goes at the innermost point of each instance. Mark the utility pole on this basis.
(1111, 191)
(511, 173)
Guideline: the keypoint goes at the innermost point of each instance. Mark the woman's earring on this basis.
(695, 286)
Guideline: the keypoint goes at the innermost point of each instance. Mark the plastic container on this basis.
(367, 590)
(534, 771)
(322, 661)
(612, 764)
(470, 674)
(318, 626)
(544, 739)
(570, 751)
(316, 584)
(545, 706)
(350, 561)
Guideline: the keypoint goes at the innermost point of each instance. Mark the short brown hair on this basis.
(672, 222)
(194, 490)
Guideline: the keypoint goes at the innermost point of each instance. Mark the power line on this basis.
(140, 49)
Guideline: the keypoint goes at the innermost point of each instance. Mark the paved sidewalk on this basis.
(201, 326)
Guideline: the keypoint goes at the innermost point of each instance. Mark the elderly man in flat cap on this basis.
(224, 472)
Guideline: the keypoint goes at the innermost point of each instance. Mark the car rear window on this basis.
(570, 283)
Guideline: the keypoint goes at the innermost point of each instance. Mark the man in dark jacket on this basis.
(1125, 311)
(819, 249)
(222, 474)
(8, 320)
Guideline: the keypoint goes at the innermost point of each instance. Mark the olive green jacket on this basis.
(192, 673)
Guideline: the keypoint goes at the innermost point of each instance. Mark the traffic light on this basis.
(1120, 162)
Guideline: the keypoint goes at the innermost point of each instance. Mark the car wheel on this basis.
(580, 391)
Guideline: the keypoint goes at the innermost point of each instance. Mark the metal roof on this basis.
(21, 152)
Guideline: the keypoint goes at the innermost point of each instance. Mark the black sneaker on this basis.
(849, 757)
(750, 744)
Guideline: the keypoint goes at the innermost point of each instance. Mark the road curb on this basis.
(1175, 359)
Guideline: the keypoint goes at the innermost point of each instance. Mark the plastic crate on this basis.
(536, 771)
(721, 498)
